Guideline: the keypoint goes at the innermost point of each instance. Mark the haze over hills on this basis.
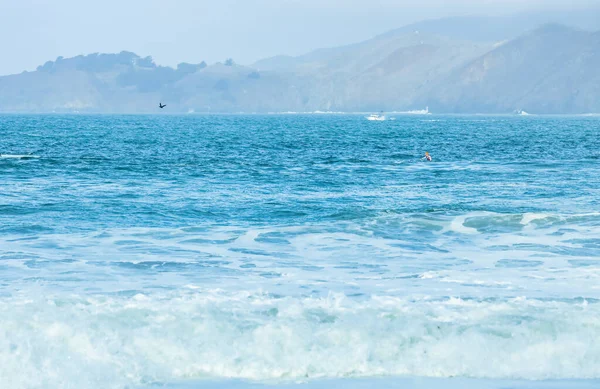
(469, 65)
(501, 28)
(553, 69)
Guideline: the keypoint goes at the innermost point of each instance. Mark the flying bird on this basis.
(161, 105)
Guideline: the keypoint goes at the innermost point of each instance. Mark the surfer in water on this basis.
(427, 157)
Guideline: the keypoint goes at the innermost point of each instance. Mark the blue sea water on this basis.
(148, 250)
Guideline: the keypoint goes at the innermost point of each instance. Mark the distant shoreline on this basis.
(316, 113)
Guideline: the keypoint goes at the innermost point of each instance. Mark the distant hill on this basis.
(97, 83)
(386, 72)
(503, 28)
(553, 69)
(477, 29)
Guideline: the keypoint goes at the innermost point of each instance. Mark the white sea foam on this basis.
(529, 217)
(506, 252)
(390, 383)
(62, 341)
(19, 156)
(401, 305)
(458, 225)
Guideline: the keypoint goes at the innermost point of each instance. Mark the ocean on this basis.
(296, 251)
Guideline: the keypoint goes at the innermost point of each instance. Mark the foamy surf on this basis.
(391, 383)
(119, 341)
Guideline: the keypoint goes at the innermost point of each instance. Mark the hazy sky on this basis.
(173, 31)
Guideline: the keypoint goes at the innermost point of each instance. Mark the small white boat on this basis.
(376, 117)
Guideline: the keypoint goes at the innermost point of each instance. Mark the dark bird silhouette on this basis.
(161, 105)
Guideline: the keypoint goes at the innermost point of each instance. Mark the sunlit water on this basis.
(152, 249)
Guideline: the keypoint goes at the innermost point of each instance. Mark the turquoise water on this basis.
(139, 250)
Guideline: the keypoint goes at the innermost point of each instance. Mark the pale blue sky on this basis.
(174, 31)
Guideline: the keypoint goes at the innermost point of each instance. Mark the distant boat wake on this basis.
(417, 112)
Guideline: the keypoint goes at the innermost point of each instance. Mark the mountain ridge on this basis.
(550, 69)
